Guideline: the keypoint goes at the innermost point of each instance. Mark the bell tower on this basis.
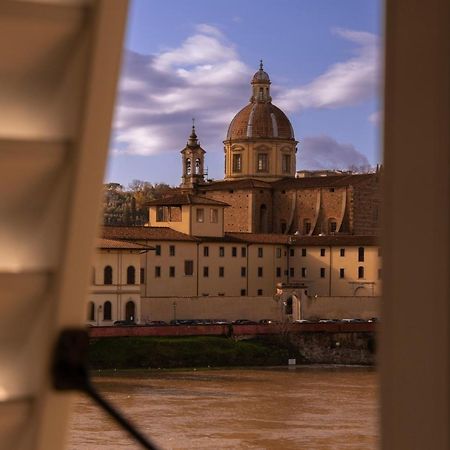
(193, 161)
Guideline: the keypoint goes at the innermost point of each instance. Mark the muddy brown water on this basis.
(303, 408)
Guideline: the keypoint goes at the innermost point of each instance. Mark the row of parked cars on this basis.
(373, 319)
(161, 323)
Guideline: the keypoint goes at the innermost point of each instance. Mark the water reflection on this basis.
(307, 408)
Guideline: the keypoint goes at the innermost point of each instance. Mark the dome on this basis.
(261, 76)
(260, 120)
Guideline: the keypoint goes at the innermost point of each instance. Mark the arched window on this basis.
(361, 254)
(131, 275)
(198, 166)
(91, 311)
(107, 311)
(188, 166)
(130, 311)
(332, 226)
(263, 219)
(360, 272)
(108, 275)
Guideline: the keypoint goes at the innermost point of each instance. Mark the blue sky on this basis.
(195, 58)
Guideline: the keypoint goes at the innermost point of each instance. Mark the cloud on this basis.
(376, 117)
(343, 84)
(324, 152)
(204, 77)
(159, 94)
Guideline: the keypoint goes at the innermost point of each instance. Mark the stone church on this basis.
(261, 186)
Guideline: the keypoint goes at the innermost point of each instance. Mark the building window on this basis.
(160, 216)
(142, 275)
(107, 311)
(342, 252)
(200, 215)
(214, 215)
(360, 272)
(341, 273)
(291, 252)
(188, 167)
(158, 250)
(243, 271)
(172, 250)
(91, 311)
(303, 272)
(260, 272)
(303, 251)
(157, 271)
(322, 272)
(332, 226)
(189, 267)
(206, 251)
(278, 252)
(234, 251)
(306, 226)
(263, 164)
(243, 252)
(206, 271)
(130, 310)
(361, 254)
(291, 272)
(108, 275)
(221, 251)
(221, 272)
(260, 252)
(286, 163)
(131, 275)
(172, 271)
(237, 162)
(243, 292)
(283, 226)
(322, 252)
(260, 292)
(278, 272)
(379, 274)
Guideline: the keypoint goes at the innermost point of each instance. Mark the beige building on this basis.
(220, 246)
(115, 285)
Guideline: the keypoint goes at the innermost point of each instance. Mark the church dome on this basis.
(260, 120)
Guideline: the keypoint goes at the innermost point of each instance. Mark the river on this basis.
(304, 408)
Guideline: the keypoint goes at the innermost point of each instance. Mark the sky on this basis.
(195, 59)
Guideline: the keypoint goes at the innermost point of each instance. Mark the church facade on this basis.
(220, 248)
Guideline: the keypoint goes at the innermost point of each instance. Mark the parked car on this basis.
(244, 322)
(267, 321)
(124, 323)
(221, 322)
(156, 323)
(303, 321)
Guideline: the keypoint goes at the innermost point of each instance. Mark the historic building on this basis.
(219, 248)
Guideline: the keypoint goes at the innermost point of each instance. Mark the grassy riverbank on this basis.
(173, 352)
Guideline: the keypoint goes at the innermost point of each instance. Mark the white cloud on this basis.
(343, 84)
(324, 152)
(205, 78)
(376, 117)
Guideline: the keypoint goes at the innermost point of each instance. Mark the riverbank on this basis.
(210, 351)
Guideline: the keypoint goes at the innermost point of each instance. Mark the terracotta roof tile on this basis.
(120, 245)
(186, 199)
(145, 234)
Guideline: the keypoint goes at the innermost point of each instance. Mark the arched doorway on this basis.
(361, 291)
(130, 311)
